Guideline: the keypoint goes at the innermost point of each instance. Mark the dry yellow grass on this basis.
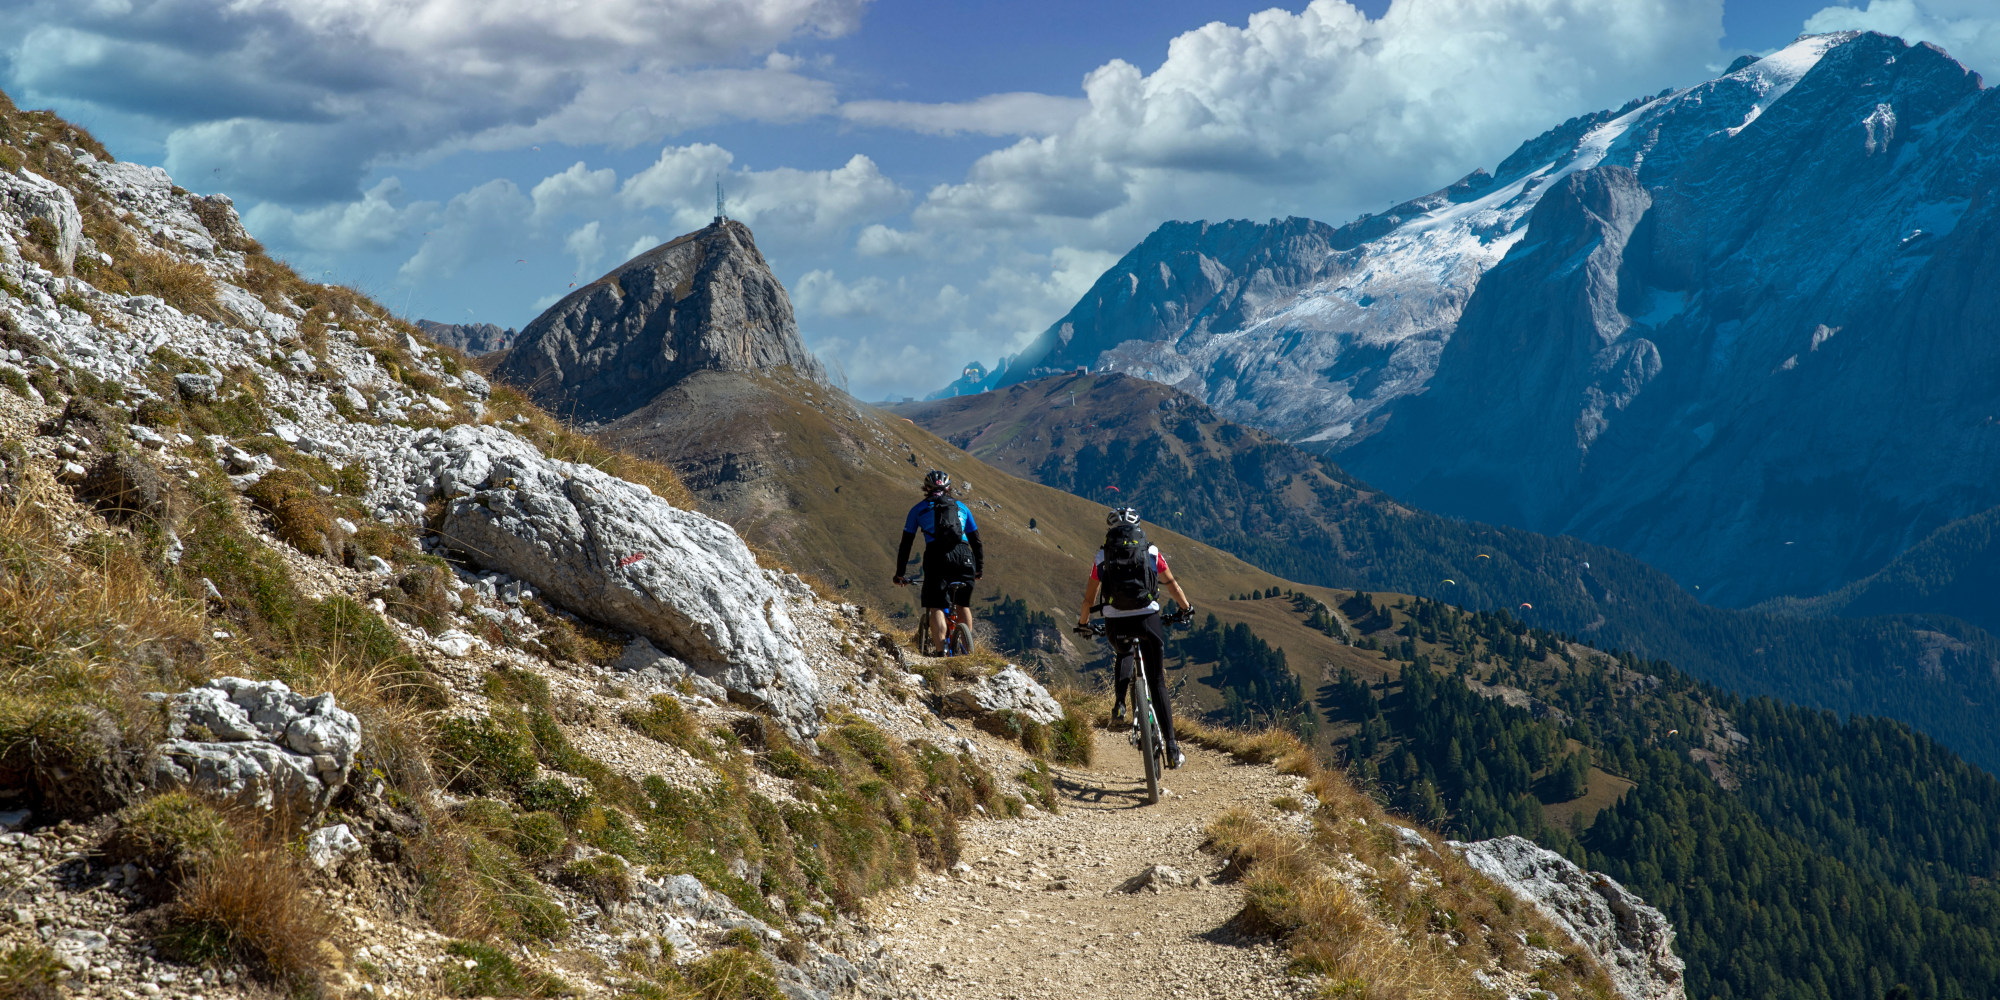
(251, 905)
(1343, 900)
(85, 629)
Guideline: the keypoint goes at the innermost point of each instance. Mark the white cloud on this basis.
(994, 114)
(878, 240)
(379, 220)
(295, 99)
(1968, 29)
(819, 293)
(1326, 112)
(681, 183)
(641, 245)
(483, 225)
(586, 244)
(578, 188)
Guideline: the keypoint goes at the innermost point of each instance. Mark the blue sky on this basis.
(935, 182)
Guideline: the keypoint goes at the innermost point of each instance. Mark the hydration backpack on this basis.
(953, 554)
(1127, 579)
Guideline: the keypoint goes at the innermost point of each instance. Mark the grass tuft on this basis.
(31, 972)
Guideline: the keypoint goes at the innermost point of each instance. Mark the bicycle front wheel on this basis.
(1149, 732)
(924, 645)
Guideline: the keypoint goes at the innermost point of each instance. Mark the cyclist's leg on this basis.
(1121, 674)
(934, 602)
(1152, 646)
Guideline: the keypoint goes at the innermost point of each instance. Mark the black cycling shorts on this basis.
(937, 588)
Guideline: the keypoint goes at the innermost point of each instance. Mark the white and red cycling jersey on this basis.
(1159, 569)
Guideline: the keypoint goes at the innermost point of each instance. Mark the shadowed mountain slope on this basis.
(1298, 515)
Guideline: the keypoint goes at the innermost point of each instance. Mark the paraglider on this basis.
(1113, 489)
(1482, 555)
(1525, 604)
(1452, 582)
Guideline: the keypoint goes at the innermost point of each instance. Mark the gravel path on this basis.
(1036, 909)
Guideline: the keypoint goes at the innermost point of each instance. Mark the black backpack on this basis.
(1128, 578)
(949, 554)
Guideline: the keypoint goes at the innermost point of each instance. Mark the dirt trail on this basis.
(1038, 911)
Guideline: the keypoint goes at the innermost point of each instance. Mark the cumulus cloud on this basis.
(994, 114)
(380, 219)
(1328, 110)
(681, 183)
(577, 189)
(295, 99)
(1968, 29)
(483, 224)
(586, 244)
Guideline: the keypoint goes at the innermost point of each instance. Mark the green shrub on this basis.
(298, 514)
(485, 755)
(1070, 739)
(666, 721)
(30, 972)
(604, 878)
(485, 971)
(539, 836)
(171, 833)
(733, 974)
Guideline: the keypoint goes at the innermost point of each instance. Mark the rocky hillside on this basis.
(704, 302)
(1703, 328)
(330, 669)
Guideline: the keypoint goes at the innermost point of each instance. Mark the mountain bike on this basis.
(957, 635)
(1146, 725)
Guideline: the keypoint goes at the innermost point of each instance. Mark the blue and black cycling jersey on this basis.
(922, 518)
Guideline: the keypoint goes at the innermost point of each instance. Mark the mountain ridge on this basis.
(1296, 514)
(1795, 237)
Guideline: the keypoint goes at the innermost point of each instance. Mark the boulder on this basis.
(643, 661)
(612, 551)
(257, 743)
(1632, 941)
(328, 846)
(196, 387)
(1010, 690)
(31, 196)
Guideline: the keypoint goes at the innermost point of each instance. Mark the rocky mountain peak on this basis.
(706, 301)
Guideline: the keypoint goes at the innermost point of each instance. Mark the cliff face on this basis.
(704, 302)
(1758, 353)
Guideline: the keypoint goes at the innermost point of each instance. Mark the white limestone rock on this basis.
(328, 846)
(1010, 690)
(1632, 941)
(610, 550)
(28, 195)
(257, 743)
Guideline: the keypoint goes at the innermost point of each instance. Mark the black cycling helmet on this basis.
(937, 481)
(1121, 515)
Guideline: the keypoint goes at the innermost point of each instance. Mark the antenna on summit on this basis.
(718, 201)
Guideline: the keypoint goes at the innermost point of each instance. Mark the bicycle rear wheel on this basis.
(1149, 732)
(960, 639)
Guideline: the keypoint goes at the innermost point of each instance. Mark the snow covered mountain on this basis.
(1744, 330)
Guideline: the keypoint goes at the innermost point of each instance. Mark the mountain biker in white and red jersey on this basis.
(1127, 574)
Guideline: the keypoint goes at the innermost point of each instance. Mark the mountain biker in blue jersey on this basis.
(1127, 574)
(953, 557)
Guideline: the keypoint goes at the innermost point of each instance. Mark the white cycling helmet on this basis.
(1121, 515)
